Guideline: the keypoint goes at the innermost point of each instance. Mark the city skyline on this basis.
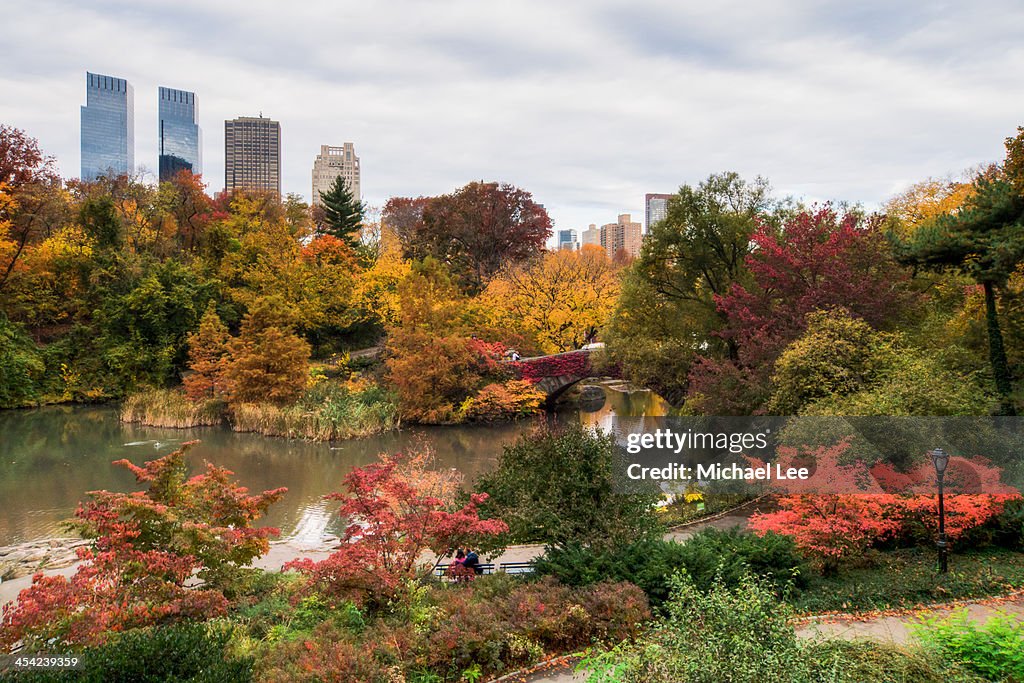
(589, 106)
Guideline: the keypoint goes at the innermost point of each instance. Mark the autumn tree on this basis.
(667, 311)
(398, 518)
(818, 259)
(267, 362)
(147, 546)
(207, 348)
(984, 240)
(33, 203)
(430, 360)
(403, 217)
(342, 213)
(562, 298)
(474, 231)
(185, 200)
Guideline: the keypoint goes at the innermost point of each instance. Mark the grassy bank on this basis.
(171, 408)
(326, 412)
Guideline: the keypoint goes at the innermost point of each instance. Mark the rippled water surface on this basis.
(49, 458)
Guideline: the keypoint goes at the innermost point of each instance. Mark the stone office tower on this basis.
(332, 162)
(181, 139)
(252, 154)
(108, 127)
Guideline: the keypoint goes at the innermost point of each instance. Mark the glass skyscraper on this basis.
(108, 127)
(181, 140)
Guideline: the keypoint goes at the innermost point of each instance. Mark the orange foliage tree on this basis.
(267, 361)
(207, 348)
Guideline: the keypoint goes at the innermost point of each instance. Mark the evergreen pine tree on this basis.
(984, 240)
(343, 213)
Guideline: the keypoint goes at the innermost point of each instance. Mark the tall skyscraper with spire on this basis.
(181, 139)
(252, 154)
(108, 127)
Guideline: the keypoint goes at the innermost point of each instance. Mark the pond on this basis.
(50, 457)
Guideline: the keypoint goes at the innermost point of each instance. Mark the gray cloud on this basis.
(587, 103)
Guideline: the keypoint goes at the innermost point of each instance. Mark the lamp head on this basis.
(940, 459)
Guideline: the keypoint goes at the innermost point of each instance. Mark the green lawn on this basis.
(908, 578)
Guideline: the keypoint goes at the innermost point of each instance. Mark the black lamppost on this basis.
(940, 459)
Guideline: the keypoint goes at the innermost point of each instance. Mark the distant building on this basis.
(656, 208)
(252, 154)
(108, 127)
(332, 162)
(592, 235)
(181, 140)
(567, 240)
(623, 235)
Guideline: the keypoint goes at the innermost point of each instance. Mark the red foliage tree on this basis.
(147, 545)
(474, 231)
(395, 521)
(818, 260)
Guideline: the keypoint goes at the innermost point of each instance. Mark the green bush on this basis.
(556, 487)
(740, 635)
(994, 651)
(1008, 527)
(712, 555)
(193, 653)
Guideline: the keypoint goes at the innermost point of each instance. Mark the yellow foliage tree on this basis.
(925, 200)
(561, 299)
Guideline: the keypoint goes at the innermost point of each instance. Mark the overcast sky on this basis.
(588, 104)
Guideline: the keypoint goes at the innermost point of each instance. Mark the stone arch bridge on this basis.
(554, 374)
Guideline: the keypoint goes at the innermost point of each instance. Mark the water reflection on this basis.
(51, 456)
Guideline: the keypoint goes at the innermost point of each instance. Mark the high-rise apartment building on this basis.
(622, 236)
(567, 240)
(332, 162)
(181, 140)
(656, 206)
(252, 154)
(108, 127)
(592, 235)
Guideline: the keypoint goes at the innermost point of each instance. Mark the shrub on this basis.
(556, 487)
(148, 545)
(499, 401)
(709, 557)
(995, 650)
(740, 635)
(394, 515)
(193, 653)
(21, 366)
(844, 661)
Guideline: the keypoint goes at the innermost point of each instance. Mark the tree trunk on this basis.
(997, 354)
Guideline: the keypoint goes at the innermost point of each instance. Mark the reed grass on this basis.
(171, 408)
(327, 412)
